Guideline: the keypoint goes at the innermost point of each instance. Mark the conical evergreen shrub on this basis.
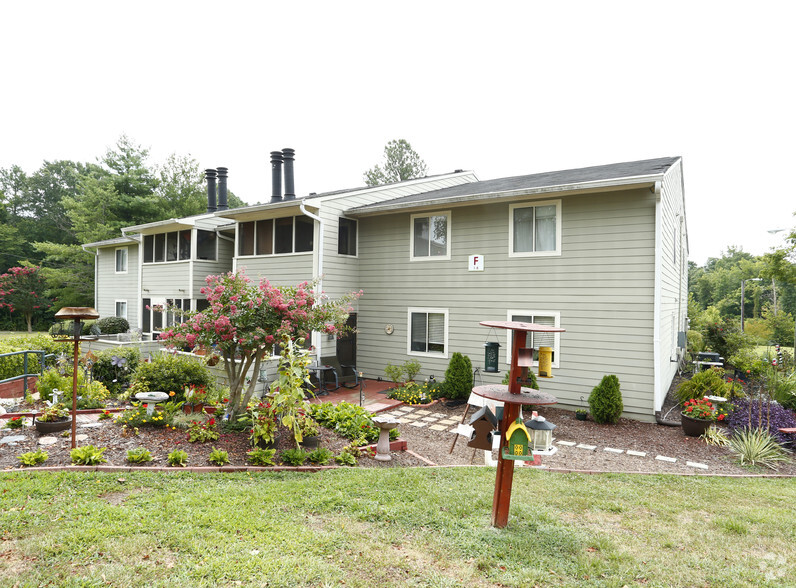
(605, 401)
(459, 377)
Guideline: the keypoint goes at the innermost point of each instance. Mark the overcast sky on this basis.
(500, 88)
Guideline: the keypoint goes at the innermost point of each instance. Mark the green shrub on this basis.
(111, 325)
(115, 367)
(708, 382)
(725, 338)
(138, 417)
(14, 365)
(781, 387)
(170, 373)
(261, 457)
(747, 361)
(349, 420)
(459, 377)
(201, 432)
(139, 455)
(91, 395)
(605, 401)
(403, 373)
(294, 457)
(412, 393)
(695, 341)
(531, 376)
(88, 455)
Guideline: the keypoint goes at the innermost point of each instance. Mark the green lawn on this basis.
(393, 527)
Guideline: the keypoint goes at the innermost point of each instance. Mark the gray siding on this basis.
(111, 286)
(602, 285)
(281, 270)
(167, 279)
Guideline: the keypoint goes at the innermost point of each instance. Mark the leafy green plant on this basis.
(202, 432)
(16, 422)
(716, 436)
(53, 413)
(111, 325)
(294, 457)
(170, 373)
(348, 456)
(708, 382)
(405, 372)
(218, 457)
(91, 394)
(261, 457)
(33, 458)
(138, 417)
(394, 372)
(349, 420)
(605, 401)
(321, 456)
(459, 377)
(177, 458)
(531, 377)
(139, 455)
(263, 423)
(287, 391)
(781, 387)
(412, 367)
(757, 447)
(87, 455)
(115, 367)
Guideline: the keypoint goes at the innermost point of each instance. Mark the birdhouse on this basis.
(541, 432)
(518, 442)
(483, 423)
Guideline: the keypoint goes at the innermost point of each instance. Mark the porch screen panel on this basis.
(265, 237)
(206, 244)
(171, 246)
(284, 235)
(149, 249)
(185, 244)
(246, 238)
(146, 314)
(305, 227)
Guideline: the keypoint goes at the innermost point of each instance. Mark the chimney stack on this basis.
(288, 157)
(210, 175)
(276, 176)
(222, 188)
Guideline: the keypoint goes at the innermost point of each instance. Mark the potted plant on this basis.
(53, 419)
(581, 414)
(310, 431)
(697, 416)
(195, 396)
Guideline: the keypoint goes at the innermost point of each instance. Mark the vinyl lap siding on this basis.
(602, 286)
(281, 270)
(112, 286)
(166, 279)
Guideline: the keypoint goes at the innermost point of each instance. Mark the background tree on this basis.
(401, 162)
(22, 291)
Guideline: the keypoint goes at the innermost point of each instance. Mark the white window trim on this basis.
(410, 311)
(356, 241)
(534, 203)
(126, 307)
(126, 259)
(557, 336)
(447, 256)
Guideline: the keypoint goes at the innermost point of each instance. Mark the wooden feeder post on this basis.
(513, 397)
(76, 314)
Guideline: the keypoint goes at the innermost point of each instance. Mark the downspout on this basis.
(656, 312)
(314, 217)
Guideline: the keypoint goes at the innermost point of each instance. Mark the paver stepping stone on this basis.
(437, 427)
(91, 425)
(410, 416)
(404, 409)
(403, 421)
(429, 419)
(418, 424)
(81, 437)
(695, 464)
(423, 412)
(448, 422)
(12, 439)
(613, 450)
(566, 443)
(47, 440)
(586, 447)
(664, 458)
(439, 415)
(637, 453)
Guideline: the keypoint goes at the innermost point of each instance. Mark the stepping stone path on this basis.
(47, 440)
(12, 439)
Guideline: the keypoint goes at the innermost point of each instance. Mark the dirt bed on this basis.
(425, 446)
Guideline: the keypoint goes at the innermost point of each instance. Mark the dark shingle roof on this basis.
(614, 171)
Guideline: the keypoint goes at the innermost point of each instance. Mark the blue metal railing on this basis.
(25, 375)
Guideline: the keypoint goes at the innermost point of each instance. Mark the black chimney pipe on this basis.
(222, 188)
(276, 176)
(210, 175)
(288, 155)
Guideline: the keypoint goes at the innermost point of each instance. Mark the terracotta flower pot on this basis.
(694, 427)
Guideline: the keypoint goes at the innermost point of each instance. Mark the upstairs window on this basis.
(535, 229)
(347, 237)
(431, 236)
(121, 260)
(206, 245)
(172, 246)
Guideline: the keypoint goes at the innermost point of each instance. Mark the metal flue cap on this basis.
(76, 313)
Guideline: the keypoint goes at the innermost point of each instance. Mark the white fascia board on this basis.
(469, 176)
(596, 186)
(263, 211)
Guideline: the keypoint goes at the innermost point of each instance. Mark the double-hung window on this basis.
(431, 236)
(535, 229)
(347, 237)
(121, 260)
(121, 309)
(536, 340)
(428, 331)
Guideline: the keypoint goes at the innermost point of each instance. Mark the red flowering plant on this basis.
(15, 422)
(264, 423)
(699, 408)
(244, 320)
(202, 431)
(22, 290)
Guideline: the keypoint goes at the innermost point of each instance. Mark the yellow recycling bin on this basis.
(545, 362)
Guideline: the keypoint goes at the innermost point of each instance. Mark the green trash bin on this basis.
(491, 355)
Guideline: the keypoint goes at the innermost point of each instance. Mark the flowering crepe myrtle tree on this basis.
(244, 320)
(22, 290)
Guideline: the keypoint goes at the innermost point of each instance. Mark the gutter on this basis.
(315, 217)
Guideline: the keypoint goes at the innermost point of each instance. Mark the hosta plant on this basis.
(261, 457)
(757, 447)
(177, 458)
(321, 456)
(294, 457)
(87, 455)
(139, 455)
(33, 458)
(218, 457)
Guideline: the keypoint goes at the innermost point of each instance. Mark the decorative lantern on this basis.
(541, 431)
(518, 445)
(491, 354)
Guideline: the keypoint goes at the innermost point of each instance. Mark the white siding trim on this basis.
(412, 309)
(657, 391)
(535, 203)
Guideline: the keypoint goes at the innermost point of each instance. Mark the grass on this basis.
(393, 527)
